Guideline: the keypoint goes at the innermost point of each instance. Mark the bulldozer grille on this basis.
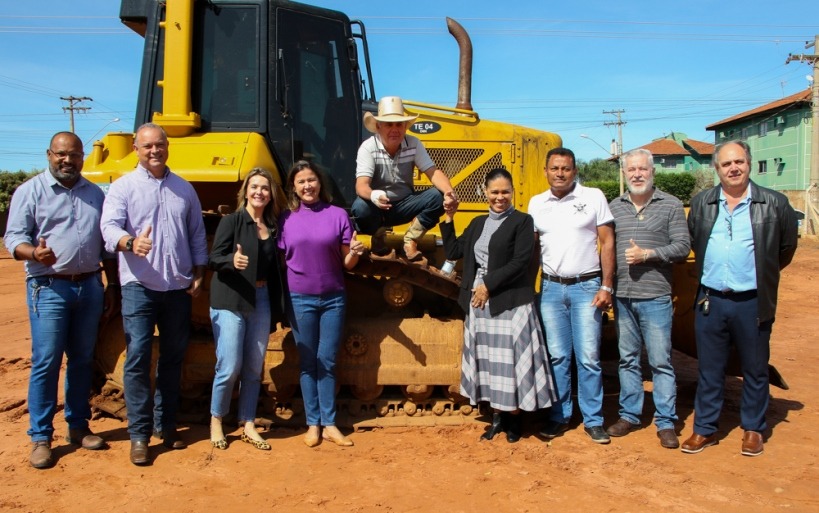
(454, 161)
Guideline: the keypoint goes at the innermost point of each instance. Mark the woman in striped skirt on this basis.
(504, 359)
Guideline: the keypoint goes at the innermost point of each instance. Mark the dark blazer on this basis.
(235, 290)
(511, 276)
(774, 228)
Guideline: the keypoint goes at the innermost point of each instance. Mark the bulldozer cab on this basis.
(288, 72)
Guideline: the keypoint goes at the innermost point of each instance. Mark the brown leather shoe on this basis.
(668, 438)
(85, 438)
(622, 427)
(696, 443)
(41, 455)
(139, 452)
(752, 443)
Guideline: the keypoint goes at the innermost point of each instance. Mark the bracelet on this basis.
(607, 289)
(645, 255)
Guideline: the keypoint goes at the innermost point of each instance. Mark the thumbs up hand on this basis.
(635, 254)
(240, 260)
(43, 254)
(356, 246)
(143, 243)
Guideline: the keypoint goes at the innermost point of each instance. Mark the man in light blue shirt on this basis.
(54, 226)
(743, 235)
(153, 218)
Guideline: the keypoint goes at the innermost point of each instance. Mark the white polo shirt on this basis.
(568, 230)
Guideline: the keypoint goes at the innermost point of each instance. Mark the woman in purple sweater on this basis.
(318, 244)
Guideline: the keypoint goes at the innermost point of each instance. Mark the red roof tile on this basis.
(660, 147)
(802, 96)
(703, 148)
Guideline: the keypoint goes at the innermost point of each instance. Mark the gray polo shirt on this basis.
(392, 175)
(659, 226)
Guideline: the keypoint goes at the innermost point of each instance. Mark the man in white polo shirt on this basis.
(576, 288)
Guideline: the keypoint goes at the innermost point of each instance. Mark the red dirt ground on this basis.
(437, 468)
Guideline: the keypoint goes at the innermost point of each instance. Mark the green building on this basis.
(778, 134)
(677, 153)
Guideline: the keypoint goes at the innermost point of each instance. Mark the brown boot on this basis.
(415, 232)
(41, 454)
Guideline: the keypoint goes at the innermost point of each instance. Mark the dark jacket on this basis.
(511, 276)
(774, 227)
(231, 289)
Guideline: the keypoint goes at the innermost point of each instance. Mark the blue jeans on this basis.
(241, 343)
(427, 206)
(646, 321)
(318, 323)
(732, 320)
(142, 310)
(64, 318)
(572, 325)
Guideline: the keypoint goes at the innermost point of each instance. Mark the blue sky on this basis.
(556, 66)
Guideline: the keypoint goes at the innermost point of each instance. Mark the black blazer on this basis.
(235, 290)
(511, 276)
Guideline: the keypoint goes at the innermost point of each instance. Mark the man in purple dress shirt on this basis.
(153, 218)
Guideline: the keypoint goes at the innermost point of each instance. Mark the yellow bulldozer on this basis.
(263, 83)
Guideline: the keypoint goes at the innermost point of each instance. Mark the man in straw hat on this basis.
(384, 180)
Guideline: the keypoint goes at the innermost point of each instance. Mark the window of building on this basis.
(763, 167)
(763, 128)
(744, 133)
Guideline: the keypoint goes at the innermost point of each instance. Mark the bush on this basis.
(680, 185)
(610, 188)
(8, 184)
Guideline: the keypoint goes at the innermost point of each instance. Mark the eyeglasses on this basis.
(729, 227)
(73, 155)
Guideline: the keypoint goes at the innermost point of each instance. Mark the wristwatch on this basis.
(607, 289)
(129, 244)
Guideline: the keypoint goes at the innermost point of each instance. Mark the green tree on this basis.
(9, 181)
(597, 170)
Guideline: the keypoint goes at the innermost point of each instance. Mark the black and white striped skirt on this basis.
(504, 360)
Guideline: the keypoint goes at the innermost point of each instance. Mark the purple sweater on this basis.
(311, 238)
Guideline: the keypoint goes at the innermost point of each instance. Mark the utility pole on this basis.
(71, 107)
(619, 124)
(812, 192)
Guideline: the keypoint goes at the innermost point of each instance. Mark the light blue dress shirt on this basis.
(729, 263)
(68, 219)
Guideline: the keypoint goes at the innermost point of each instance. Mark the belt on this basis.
(261, 283)
(725, 293)
(71, 277)
(573, 279)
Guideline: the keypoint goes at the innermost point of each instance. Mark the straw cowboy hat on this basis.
(390, 110)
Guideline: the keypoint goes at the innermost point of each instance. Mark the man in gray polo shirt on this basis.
(651, 233)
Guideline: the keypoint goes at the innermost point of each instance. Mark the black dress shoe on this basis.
(495, 428)
(553, 429)
(513, 428)
(170, 439)
(139, 452)
(597, 434)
